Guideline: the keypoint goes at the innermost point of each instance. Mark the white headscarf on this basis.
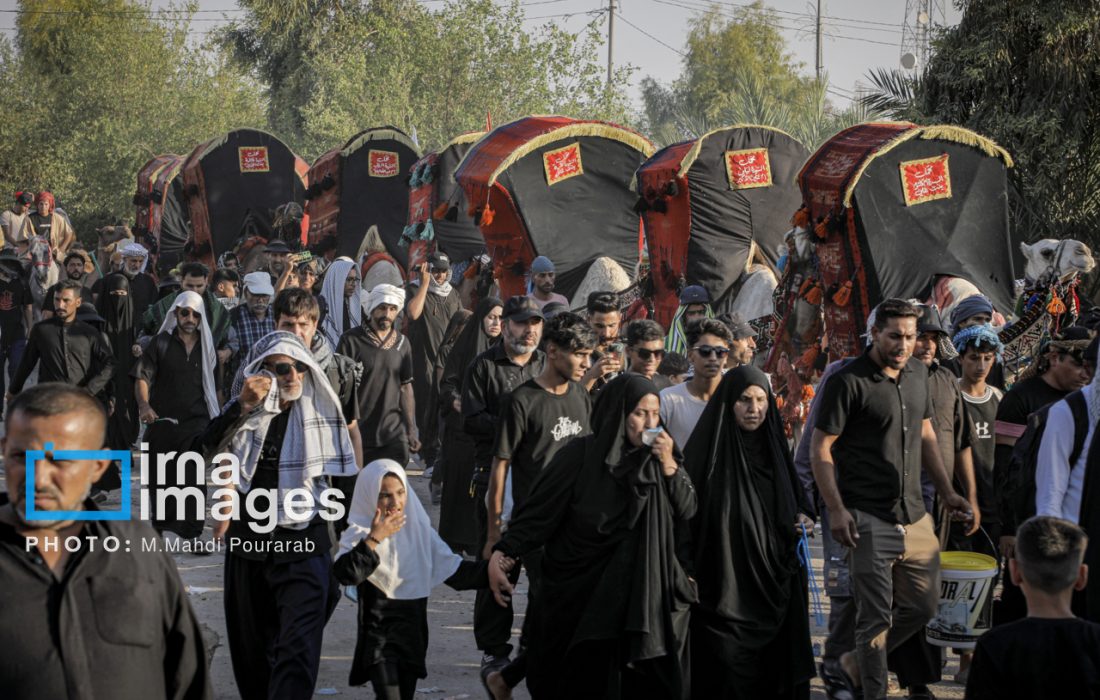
(136, 250)
(414, 560)
(332, 291)
(193, 301)
(385, 294)
(316, 441)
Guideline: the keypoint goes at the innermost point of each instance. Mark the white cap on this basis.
(259, 283)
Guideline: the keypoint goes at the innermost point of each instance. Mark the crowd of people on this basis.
(640, 477)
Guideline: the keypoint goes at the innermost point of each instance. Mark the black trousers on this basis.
(164, 437)
(492, 623)
(275, 615)
(391, 683)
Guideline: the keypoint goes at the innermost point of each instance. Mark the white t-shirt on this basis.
(680, 411)
(1059, 485)
(11, 223)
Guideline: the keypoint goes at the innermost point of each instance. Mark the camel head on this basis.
(1051, 259)
(112, 234)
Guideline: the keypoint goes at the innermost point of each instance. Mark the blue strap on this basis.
(815, 592)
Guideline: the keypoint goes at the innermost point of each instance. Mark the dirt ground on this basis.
(452, 657)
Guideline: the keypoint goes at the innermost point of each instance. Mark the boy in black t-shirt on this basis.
(537, 419)
(1051, 653)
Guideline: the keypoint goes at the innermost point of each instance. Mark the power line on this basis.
(639, 29)
(115, 13)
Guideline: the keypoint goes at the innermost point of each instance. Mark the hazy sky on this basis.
(861, 34)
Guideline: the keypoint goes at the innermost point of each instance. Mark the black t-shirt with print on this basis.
(983, 414)
(534, 425)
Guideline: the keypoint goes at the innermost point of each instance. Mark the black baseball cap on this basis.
(278, 246)
(439, 262)
(694, 294)
(521, 308)
(930, 321)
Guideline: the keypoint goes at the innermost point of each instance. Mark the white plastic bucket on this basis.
(966, 600)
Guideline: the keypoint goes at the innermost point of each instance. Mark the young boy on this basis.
(979, 349)
(1049, 654)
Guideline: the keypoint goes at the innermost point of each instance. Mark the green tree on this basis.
(1026, 75)
(333, 68)
(737, 70)
(100, 86)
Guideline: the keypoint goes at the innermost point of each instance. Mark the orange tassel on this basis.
(821, 231)
(844, 294)
(806, 362)
(801, 218)
(779, 402)
(1056, 307)
(440, 211)
(807, 285)
(487, 216)
(815, 295)
(807, 393)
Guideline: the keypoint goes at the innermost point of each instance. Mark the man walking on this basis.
(490, 378)
(64, 349)
(432, 304)
(607, 359)
(872, 436)
(78, 620)
(175, 391)
(682, 404)
(251, 320)
(288, 434)
(645, 346)
(537, 419)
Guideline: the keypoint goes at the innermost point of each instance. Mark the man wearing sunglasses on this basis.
(176, 398)
(645, 347)
(709, 343)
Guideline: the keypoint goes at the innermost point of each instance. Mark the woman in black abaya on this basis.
(457, 512)
(750, 633)
(612, 619)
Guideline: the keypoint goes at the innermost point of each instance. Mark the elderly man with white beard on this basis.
(289, 437)
(143, 289)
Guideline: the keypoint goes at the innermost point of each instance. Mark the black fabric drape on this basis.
(612, 585)
(743, 545)
(117, 311)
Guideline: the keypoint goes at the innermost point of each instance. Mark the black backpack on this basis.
(1015, 485)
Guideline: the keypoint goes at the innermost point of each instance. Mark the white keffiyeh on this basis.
(332, 291)
(193, 301)
(414, 560)
(316, 441)
(136, 250)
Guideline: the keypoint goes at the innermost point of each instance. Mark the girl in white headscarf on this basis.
(333, 293)
(393, 555)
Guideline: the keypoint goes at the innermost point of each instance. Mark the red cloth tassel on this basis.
(440, 211)
(806, 362)
(801, 218)
(821, 230)
(487, 216)
(844, 294)
(814, 295)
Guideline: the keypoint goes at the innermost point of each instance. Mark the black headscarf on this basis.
(469, 344)
(744, 547)
(454, 329)
(656, 579)
(117, 310)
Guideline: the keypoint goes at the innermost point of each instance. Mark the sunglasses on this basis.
(283, 368)
(184, 313)
(645, 354)
(705, 351)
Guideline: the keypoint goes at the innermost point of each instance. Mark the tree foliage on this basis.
(97, 88)
(737, 70)
(333, 68)
(1027, 75)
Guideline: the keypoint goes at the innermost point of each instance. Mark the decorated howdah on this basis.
(438, 215)
(713, 206)
(559, 187)
(889, 209)
(233, 184)
(161, 221)
(364, 183)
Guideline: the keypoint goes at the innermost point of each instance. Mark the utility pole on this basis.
(817, 33)
(610, 40)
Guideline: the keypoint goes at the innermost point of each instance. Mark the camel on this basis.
(1048, 261)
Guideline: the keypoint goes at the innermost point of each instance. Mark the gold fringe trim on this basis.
(471, 137)
(210, 145)
(883, 149)
(365, 137)
(693, 154)
(607, 131)
(967, 137)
